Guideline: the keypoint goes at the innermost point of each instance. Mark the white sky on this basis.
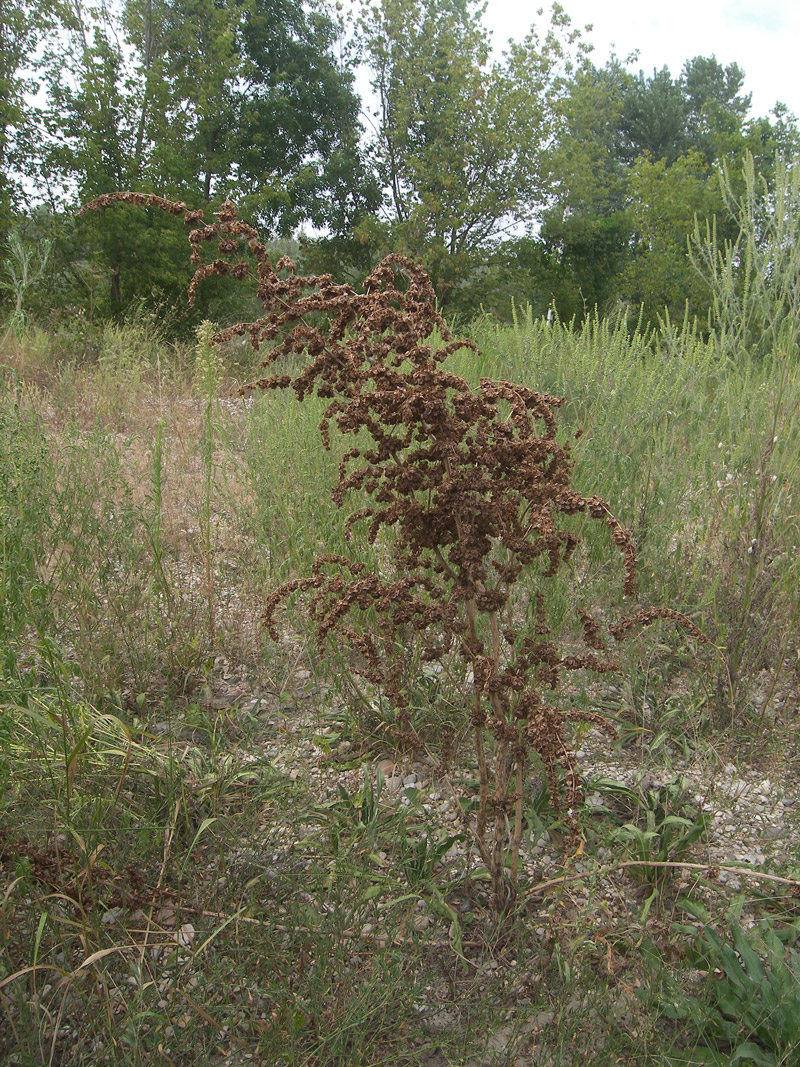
(762, 36)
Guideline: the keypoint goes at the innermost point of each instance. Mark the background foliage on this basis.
(531, 176)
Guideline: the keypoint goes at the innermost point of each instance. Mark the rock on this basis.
(185, 935)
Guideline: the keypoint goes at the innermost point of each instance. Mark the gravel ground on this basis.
(753, 812)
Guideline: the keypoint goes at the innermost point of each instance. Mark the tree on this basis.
(768, 140)
(665, 202)
(753, 277)
(202, 100)
(258, 105)
(653, 119)
(668, 196)
(93, 115)
(460, 139)
(634, 160)
(716, 110)
(664, 117)
(586, 229)
(22, 26)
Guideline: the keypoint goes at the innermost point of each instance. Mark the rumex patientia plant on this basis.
(467, 490)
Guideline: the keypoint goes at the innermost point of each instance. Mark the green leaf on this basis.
(695, 908)
(751, 959)
(698, 1057)
(750, 1051)
(37, 941)
(647, 906)
(201, 829)
(734, 972)
(72, 759)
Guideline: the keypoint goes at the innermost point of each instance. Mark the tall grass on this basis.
(698, 455)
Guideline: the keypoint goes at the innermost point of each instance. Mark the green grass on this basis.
(173, 890)
(699, 458)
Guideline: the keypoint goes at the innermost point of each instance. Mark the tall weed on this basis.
(464, 489)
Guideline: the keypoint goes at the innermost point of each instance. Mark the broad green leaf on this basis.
(751, 959)
(754, 1053)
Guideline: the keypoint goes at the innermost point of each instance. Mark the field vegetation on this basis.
(319, 741)
(225, 845)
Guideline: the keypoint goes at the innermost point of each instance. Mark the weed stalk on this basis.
(468, 489)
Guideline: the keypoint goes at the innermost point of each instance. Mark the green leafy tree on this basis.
(23, 25)
(668, 197)
(702, 109)
(716, 108)
(653, 119)
(753, 277)
(635, 160)
(257, 106)
(768, 140)
(460, 139)
(92, 119)
(665, 203)
(586, 230)
(201, 100)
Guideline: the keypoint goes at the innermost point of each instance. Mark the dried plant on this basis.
(468, 490)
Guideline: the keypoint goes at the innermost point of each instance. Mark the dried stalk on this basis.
(474, 490)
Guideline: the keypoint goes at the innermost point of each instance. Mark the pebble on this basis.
(185, 935)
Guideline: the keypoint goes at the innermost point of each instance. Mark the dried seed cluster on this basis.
(467, 489)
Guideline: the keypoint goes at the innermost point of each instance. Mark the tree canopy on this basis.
(527, 175)
(461, 139)
(204, 100)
